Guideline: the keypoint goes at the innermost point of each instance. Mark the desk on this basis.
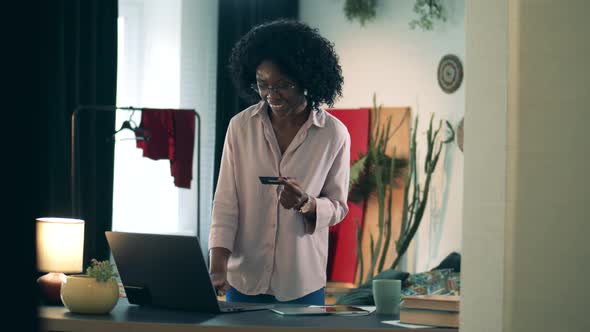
(126, 317)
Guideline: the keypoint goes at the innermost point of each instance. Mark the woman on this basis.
(269, 243)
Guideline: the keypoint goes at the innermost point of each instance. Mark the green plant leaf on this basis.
(428, 11)
(101, 271)
(356, 171)
(361, 10)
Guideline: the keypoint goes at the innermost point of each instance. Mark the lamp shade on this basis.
(60, 245)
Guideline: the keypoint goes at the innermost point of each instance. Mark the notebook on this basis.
(168, 271)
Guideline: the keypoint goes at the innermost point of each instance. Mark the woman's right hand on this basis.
(218, 270)
(219, 280)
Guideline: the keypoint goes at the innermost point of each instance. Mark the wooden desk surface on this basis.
(125, 317)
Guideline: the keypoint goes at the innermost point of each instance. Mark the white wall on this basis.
(399, 64)
(548, 221)
(482, 269)
(526, 224)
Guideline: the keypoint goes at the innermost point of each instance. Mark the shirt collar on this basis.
(318, 116)
(261, 106)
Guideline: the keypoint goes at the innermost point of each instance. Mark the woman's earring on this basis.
(305, 92)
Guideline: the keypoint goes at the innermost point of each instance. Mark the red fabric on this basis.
(343, 250)
(171, 136)
(157, 125)
(181, 152)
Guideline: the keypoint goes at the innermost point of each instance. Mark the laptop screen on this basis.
(167, 271)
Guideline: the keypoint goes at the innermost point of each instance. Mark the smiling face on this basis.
(280, 92)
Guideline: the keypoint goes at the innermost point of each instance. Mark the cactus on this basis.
(414, 209)
(375, 172)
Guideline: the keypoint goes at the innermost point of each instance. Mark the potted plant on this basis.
(95, 292)
(428, 11)
(361, 10)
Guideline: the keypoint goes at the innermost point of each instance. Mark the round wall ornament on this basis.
(450, 73)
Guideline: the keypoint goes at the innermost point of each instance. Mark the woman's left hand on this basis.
(292, 195)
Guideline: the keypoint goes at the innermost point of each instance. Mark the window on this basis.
(167, 59)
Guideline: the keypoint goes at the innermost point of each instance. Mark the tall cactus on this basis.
(375, 172)
(414, 209)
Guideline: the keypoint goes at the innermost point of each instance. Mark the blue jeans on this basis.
(316, 298)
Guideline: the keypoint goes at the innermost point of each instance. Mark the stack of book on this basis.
(435, 310)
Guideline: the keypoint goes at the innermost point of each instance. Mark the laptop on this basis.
(168, 271)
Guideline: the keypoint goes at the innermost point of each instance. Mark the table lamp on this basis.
(60, 249)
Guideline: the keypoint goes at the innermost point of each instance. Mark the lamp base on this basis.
(50, 286)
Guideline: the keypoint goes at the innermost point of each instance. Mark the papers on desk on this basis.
(410, 326)
(366, 310)
(369, 308)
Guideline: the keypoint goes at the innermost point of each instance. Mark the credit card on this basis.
(269, 179)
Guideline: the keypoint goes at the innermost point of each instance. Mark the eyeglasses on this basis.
(266, 89)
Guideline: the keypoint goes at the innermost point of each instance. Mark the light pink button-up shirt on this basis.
(271, 251)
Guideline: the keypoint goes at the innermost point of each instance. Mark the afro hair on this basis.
(298, 50)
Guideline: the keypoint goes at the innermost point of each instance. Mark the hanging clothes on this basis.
(172, 137)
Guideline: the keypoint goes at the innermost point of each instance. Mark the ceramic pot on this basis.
(83, 294)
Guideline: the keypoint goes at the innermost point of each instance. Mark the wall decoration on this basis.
(460, 129)
(361, 10)
(450, 73)
(428, 11)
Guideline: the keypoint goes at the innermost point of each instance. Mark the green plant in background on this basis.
(428, 11)
(101, 271)
(361, 10)
(375, 172)
(415, 204)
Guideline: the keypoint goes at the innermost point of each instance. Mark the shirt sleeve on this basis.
(224, 222)
(331, 206)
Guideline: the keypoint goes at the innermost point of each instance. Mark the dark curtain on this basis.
(78, 67)
(236, 17)
(22, 161)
